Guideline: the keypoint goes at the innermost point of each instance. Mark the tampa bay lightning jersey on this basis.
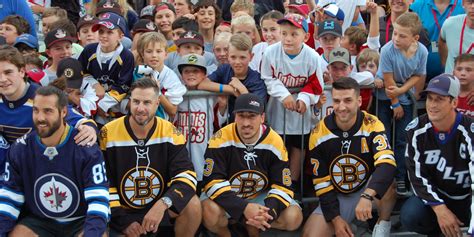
(64, 183)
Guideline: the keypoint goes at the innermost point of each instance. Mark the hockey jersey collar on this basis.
(265, 133)
(64, 138)
(330, 121)
(30, 94)
(443, 137)
(140, 142)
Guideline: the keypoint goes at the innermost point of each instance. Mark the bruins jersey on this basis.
(235, 172)
(141, 171)
(344, 161)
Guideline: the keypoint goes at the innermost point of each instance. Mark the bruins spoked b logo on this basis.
(348, 173)
(141, 186)
(248, 183)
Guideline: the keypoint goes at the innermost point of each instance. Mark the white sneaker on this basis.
(382, 229)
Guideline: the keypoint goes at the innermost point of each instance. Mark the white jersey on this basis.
(171, 87)
(257, 52)
(280, 73)
(195, 118)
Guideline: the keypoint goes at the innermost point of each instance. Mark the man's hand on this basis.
(257, 216)
(341, 228)
(448, 222)
(153, 217)
(300, 107)
(134, 229)
(363, 209)
(289, 103)
(398, 112)
(393, 92)
(87, 135)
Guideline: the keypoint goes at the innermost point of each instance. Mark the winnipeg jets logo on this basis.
(3, 143)
(56, 196)
(60, 34)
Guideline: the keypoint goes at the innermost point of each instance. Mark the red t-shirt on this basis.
(464, 107)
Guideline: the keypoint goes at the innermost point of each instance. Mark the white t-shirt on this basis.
(451, 33)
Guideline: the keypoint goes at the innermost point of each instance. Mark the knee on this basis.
(292, 219)
(193, 209)
(211, 212)
(411, 213)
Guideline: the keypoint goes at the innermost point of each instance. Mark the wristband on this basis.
(396, 105)
(367, 196)
(221, 88)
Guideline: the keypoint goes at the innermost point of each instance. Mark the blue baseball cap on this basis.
(334, 11)
(296, 20)
(444, 84)
(111, 21)
(27, 39)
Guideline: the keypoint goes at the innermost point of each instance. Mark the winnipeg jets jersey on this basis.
(280, 73)
(441, 165)
(62, 183)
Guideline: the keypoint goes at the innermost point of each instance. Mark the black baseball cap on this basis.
(330, 26)
(190, 37)
(86, 20)
(71, 69)
(144, 25)
(249, 103)
(56, 36)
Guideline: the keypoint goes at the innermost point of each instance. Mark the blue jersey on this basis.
(63, 183)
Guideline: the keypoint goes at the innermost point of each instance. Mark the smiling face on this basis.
(59, 51)
(143, 105)
(439, 108)
(239, 60)
(182, 7)
(192, 76)
(154, 55)
(164, 19)
(109, 39)
(12, 83)
(271, 31)
(346, 103)
(47, 117)
(206, 18)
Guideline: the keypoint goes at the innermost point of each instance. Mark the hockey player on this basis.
(247, 175)
(440, 164)
(352, 165)
(150, 174)
(58, 187)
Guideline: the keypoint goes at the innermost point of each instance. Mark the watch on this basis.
(167, 201)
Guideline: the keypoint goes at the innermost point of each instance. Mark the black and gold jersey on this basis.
(345, 161)
(141, 171)
(235, 172)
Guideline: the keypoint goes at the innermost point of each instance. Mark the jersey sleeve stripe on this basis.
(96, 193)
(188, 175)
(385, 161)
(113, 190)
(282, 200)
(283, 189)
(219, 192)
(324, 190)
(215, 185)
(98, 208)
(184, 180)
(114, 204)
(383, 153)
(320, 180)
(15, 197)
(9, 210)
(114, 197)
(322, 185)
(280, 194)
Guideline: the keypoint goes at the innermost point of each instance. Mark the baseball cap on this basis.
(148, 11)
(444, 84)
(303, 9)
(296, 20)
(334, 11)
(71, 69)
(330, 27)
(86, 20)
(58, 35)
(111, 21)
(37, 75)
(27, 39)
(144, 25)
(192, 60)
(249, 103)
(108, 6)
(190, 37)
(340, 54)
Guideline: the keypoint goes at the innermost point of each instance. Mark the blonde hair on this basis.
(368, 55)
(243, 5)
(241, 42)
(248, 21)
(223, 37)
(55, 11)
(147, 39)
(410, 20)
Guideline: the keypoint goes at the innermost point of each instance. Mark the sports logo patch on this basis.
(56, 196)
(412, 124)
(192, 59)
(3, 143)
(60, 34)
(248, 183)
(69, 72)
(150, 26)
(348, 173)
(140, 186)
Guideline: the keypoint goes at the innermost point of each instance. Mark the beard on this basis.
(142, 122)
(49, 130)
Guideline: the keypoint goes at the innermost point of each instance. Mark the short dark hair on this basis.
(145, 83)
(206, 4)
(22, 26)
(346, 83)
(465, 57)
(51, 90)
(185, 23)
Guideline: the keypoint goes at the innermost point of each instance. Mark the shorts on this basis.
(347, 205)
(295, 141)
(50, 227)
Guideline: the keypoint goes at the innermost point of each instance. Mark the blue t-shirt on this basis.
(253, 82)
(424, 9)
(392, 60)
(18, 7)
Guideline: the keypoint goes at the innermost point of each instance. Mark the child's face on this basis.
(181, 7)
(223, 28)
(177, 33)
(192, 76)
(402, 37)
(60, 50)
(271, 31)
(239, 60)
(154, 55)
(292, 38)
(221, 51)
(464, 71)
(109, 39)
(188, 48)
(11, 79)
(369, 66)
(338, 70)
(329, 42)
(163, 19)
(9, 32)
(87, 36)
(206, 18)
(245, 29)
(47, 21)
